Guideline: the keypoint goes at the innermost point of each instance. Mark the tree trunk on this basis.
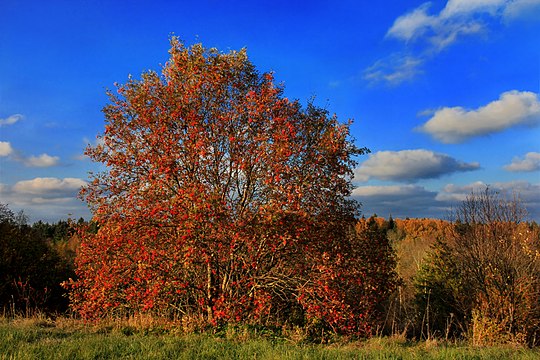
(209, 291)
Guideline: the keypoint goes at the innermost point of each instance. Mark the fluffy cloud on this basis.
(5, 148)
(10, 120)
(49, 185)
(456, 124)
(48, 199)
(409, 166)
(42, 160)
(531, 162)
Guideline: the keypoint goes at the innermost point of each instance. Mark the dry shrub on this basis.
(487, 271)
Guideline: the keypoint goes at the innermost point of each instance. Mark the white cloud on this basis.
(456, 19)
(456, 124)
(10, 120)
(394, 70)
(443, 39)
(409, 166)
(455, 194)
(531, 162)
(48, 199)
(49, 185)
(408, 26)
(5, 148)
(522, 8)
(432, 32)
(42, 160)
(464, 7)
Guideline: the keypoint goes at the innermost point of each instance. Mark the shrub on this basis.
(486, 273)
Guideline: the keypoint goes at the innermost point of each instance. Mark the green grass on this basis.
(44, 339)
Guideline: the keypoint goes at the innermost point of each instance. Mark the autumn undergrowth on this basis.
(41, 337)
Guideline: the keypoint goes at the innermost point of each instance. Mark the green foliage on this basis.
(442, 298)
(411, 240)
(59, 231)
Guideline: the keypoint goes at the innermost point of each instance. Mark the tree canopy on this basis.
(221, 198)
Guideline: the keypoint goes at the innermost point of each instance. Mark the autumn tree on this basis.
(220, 199)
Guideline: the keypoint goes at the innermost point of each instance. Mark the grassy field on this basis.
(44, 339)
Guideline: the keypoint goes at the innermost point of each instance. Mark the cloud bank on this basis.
(403, 201)
(527, 193)
(45, 198)
(400, 201)
(452, 125)
(48, 185)
(409, 166)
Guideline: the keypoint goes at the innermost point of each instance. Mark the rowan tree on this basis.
(220, 196)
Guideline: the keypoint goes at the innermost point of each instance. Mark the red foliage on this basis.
(221, 197)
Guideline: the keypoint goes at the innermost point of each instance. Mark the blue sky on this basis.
(444, 93)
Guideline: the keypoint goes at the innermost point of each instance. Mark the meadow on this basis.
(39, 337)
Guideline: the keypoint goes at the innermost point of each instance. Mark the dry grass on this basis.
(145, 337)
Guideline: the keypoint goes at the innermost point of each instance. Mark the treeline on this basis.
(34, 260)
(476, 277)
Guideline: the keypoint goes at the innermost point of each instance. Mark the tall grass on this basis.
(64, 338)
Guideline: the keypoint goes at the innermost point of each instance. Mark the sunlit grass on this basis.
(64, 338)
